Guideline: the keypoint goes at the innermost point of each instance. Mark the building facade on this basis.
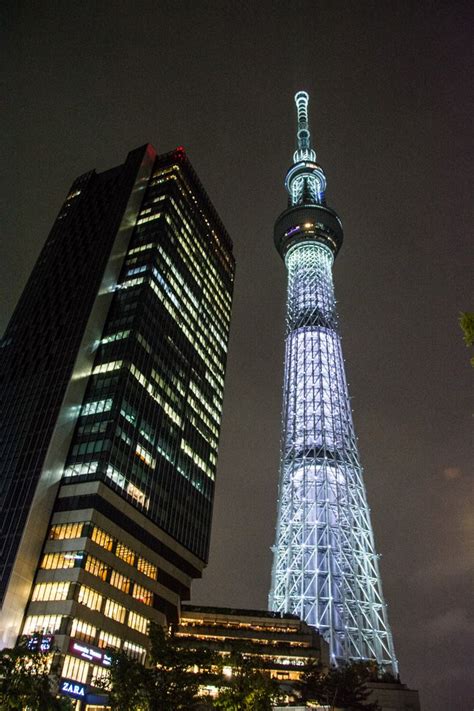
(325, 567)
(112, 378)
(282, 645)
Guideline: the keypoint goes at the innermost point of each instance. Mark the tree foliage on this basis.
(171, 681)
(25, 681)
(176, 671)
(125, 684)
(249, 688)
(466, 321)
(340, 687)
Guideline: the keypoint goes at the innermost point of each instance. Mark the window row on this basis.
(87, 596)
(51, 624)
(63, 531)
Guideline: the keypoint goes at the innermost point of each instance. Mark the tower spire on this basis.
(305, 180)
(303, 135)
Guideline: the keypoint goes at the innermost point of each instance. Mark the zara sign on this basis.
(72, 688)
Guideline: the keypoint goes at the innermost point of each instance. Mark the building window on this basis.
(137, 622)
(125, 553)
(145, 456)
(120, 581)
(102, 538)
(99, 674)
(67, 559)
(82, 630)
(107, 367)
(107, 641)
(75, 669)
(115, 336)
(46, 624)
(60, 531)
(135, 651)
(90, 598)
(142, 594)
(91, 408)
(82, 468)
(96, 567)
(114, 610)
(147, 568)
(50, 591)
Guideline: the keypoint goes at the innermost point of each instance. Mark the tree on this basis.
(339, 687)
(170, 681)
(249, 688)
(125, 684)
(466, 321)
(25, 681)
(177, 671)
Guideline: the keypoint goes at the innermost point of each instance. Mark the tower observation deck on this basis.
(325, 568)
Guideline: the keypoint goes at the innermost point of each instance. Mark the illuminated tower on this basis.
(325, 567)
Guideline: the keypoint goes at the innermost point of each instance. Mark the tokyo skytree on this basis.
(325, 568)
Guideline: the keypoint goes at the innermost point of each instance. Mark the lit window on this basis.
(102, 538)
(137, 622)
(136, 270)
(115, 475)
(81, 468)
(142, 248)
(129, 283)
(125, 553)
(90, 598)
(138, 495)
(60, 531)
(99, 675)
(135, 651)
(82, 630)
(142, 594)
(96, 567)
(75, 669)
(156, 216)
(107, 641)
(145, 456)
(46, 624)
(91, 408)
(120, 581)
(50, 591)
(115, 336)
(55, 561)
(114, 610)
(107, 367)
(147, 568)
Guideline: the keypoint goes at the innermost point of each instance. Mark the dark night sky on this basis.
(391, 98)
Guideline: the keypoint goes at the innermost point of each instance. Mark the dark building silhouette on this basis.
(112, 375)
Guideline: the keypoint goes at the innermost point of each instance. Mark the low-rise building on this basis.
(282, 644)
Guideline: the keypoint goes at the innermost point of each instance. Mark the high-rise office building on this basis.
(112, 378)
(325, 567)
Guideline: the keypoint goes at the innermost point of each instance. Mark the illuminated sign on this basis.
(40, 643)
(89, 653)
(72, 688)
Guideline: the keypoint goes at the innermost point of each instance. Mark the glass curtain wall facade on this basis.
(325, 567)
(129, 524)
(39, 349)
(149, 423)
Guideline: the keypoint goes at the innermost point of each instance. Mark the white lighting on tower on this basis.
(325, 568)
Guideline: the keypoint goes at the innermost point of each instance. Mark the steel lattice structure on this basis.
(325, 566)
